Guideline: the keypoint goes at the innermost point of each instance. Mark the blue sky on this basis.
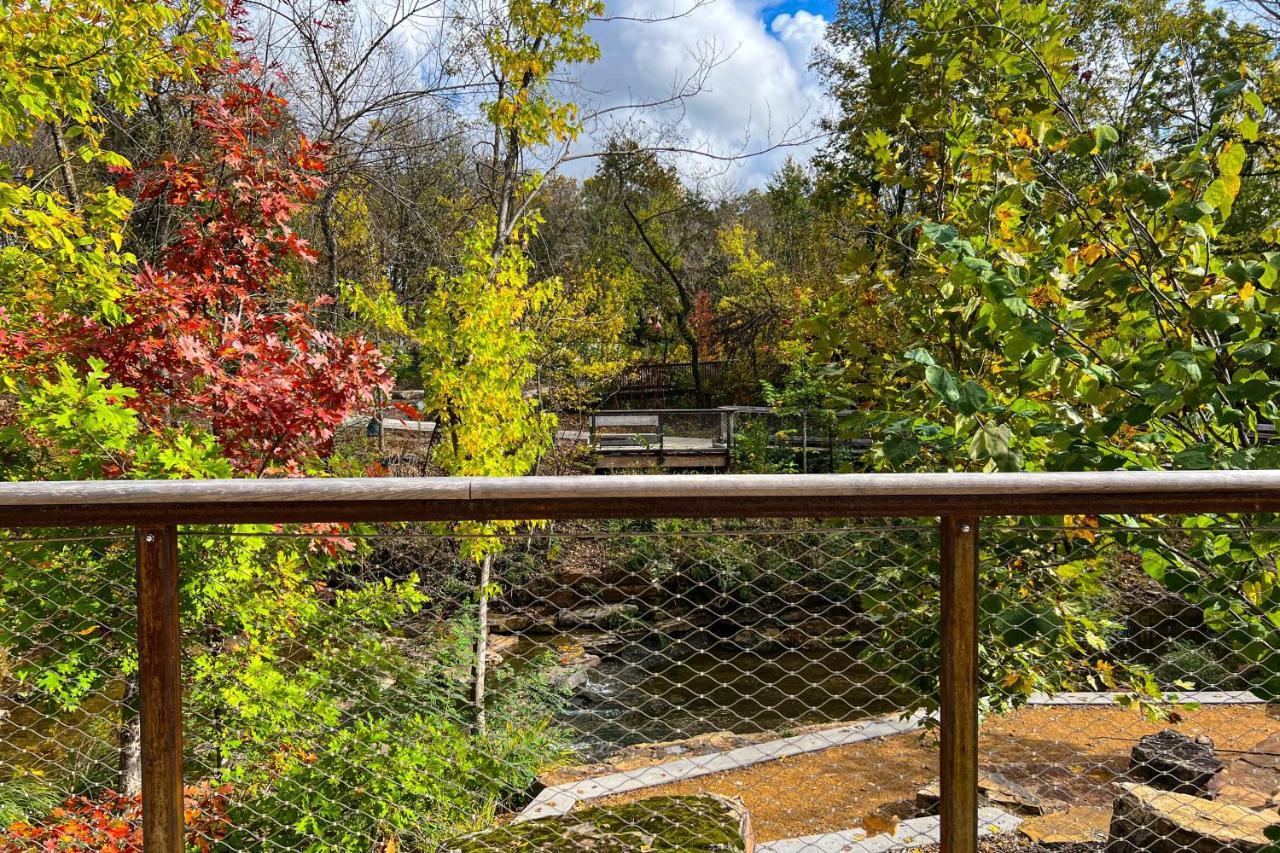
(826, 9)
(760, 93)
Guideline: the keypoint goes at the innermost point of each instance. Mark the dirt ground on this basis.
(1071, 754)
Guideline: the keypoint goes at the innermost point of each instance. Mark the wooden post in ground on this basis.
(159, 679)
(958, 764)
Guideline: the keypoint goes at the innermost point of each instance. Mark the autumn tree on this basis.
(1066, 295)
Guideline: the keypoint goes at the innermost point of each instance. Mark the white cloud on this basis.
(800, 33)
(761, 92)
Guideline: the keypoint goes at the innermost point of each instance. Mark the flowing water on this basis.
(663, 695)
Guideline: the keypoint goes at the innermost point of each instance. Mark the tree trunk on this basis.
(483, 574)
(64, 163)
(380, 405)
(129, 740)
(682, 294)
(330, 243)
(695, 359)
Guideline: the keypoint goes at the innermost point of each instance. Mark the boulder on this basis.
(573, 674)
(1081, 825)
(498, 647)
(677, 626)
(1171, 761)
(1147, 820)
(698, 824)
(609, 616)
(1253, 779)
(510, 623)
(757, 639)
(993, 789)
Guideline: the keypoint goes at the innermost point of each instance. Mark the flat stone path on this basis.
(1194, 697)
(561, 799)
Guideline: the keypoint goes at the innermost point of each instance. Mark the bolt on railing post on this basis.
(958, 763)
(160, 687)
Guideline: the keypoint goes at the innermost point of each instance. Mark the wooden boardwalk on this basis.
(670, 439)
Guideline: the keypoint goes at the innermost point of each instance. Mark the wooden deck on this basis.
(668, 439)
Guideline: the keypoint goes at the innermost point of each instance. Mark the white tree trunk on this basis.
(483, 574)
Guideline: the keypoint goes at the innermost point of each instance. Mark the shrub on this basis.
(112, 823)
(384, 749)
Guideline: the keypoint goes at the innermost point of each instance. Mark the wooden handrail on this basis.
(150, 502)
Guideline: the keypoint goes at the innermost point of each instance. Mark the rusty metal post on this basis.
(958, 763)
(159, 679)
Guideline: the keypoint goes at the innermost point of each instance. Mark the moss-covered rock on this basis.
(701, 824)
(1147, 820)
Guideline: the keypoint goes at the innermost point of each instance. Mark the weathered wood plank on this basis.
(958, 758)
(160, 685)
(691, 496)
(624, 420)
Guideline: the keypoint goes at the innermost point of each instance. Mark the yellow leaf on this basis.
(1091, 253)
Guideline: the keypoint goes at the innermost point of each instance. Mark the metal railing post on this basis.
(160, 686)
(958, 763)
(804, 441)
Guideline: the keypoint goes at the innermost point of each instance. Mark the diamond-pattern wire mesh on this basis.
(330, 675)
(613, 648)
(1191, 760)
(67, 689)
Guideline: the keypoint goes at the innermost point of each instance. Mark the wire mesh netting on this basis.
(68, 687)
(769, 441)
(653, 430)
(393, 688)
(1127, 665)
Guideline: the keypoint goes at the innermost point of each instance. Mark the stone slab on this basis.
(916, 832)
(1196, 697)
(1252, 780)
(1147, 820)
(562, 798)
(1082, 825)
(994, 788)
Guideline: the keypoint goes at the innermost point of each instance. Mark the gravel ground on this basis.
(1075, 753)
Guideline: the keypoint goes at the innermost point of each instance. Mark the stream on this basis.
(647, 696)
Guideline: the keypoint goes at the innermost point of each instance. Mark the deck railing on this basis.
(157, 510)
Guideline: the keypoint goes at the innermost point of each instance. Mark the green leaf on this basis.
(900, 447)
(1253, 351)
(973, 397)
(1196, 459)
(1186, 363)
(1192, 211)
(1157, 194)
(991, 443)
(1082, 146)
(943, 384)
(940, 234)
(1104, 137)
(920, 356)
(1242, 271)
